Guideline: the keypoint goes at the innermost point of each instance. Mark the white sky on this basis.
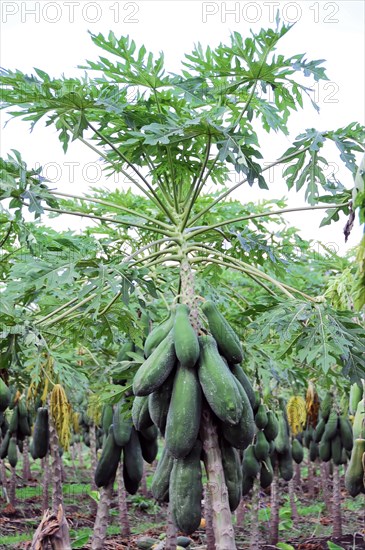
(53, 36)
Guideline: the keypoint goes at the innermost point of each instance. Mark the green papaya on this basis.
(358, 426)
(185, 338)
(286, 465)
(354, 477)
(308, 436)
(313, 451)
(12, 452)
(227, 340)
(159, 402)
(241, 434)
(261, 447)
(107, 417)
(356, 392)
(41, 433)
(247, 483)
(13, 424)
(282, 441)
(122, 425)
(345, 429)
(240, 374)
(331, 426)
(257, 403)
(158, 334)
(326, 406)
(261, 418)
(297, 451)
(336, 449)
(266, 474)
(154, 371)
(183, 418)
(325, 450)
(5, 395)
(140, 413)
(108, 463)
(150, 434)
(186, 491)
(161, 477)
(4, 445)
(271, 429)
(149, 448)
(132, 463)
(218, 383)
(232, 473)
(250, 464)
(319, 431)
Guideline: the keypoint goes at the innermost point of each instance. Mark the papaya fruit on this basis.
(286, 465)
(313, 451)
(185, 338)
(241, 434)
(122, 425)
(326, 406)
(13, 424)
(146, 543)
(232, 473)
(12, 452)
(271, 429)
(297, 451)
(159, 402)
(331, 426)
(247, 483)
(257, 402)
(184, 541)
(354, 477)
(150, 434)
(154, 371)
(107, 466)
(140, 413)
(149, 448)
(358, 427)
(242, 377)
(161, 477)
(266, 474)
(336, 449)
(218, 383)
(261, 447)
(308, 436)
(250, 464)
(132, 463)
(106, 417)
(282, 441)
(345, 430)
(261, 417)
(227, 340)
(5, 395)
(186, 491)
(4, 445)
(319, 431)
(356, 392)
(158, 334)
(183, 418)
(325, 450)
(41, 433)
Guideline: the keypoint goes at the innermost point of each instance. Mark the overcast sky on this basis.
(53, 36)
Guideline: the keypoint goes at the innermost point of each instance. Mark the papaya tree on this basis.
(179, 135)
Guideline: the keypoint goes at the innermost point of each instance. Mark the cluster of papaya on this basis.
(127, 440)
(355, 473)
(182, 373)
(17, 428)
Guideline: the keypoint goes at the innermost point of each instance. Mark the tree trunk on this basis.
(12, 487)
(325, 482)
(93, 455)
(45, 488)
(240, 513)
(26, 463)
(208, 516)
(297, 475)
(80, 455)
(122, 503)
(73, 458)
(57, 495)
(255, 502)
(293, 506)
(102, 517)
(336, 503)
(144, 483)
(222, 519)
(3, 480)
(52, 532)
(311, 478)
(274, 514)
(171, 535)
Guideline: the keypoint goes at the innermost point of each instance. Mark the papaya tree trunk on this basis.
(240, 513)
(3, 480)
(297, 475)
(26, 463)
(325, 484)
(274, 509)
(293, 505)
(144, 482)
(57, 495)
(73, 458)
(336, 503)
(255, 505)
(222, 519)
(12, 486)
(45, 483)
(208, 516)
(125, 528)
(171, 534)
(102, 517)
(93, 455)
(80, 455)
